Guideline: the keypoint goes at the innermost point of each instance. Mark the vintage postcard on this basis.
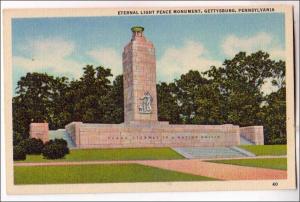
(149, 99)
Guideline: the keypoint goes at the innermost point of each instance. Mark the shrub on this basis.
(32, 145)
(61, 141)
(23, 144)
(19, 153)
(55, 149)
(64, 143)
(17, 138)
(279, 141)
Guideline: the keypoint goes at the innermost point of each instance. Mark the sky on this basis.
(63, 46)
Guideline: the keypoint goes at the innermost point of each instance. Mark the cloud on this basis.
(51, 54)
(277, 53)
(177, 61)
(261, 41)
(108, 58)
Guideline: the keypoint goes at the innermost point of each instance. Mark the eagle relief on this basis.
(145, 107)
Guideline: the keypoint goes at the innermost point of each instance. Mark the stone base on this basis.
(39, 131)
(255, 134)
(152, 134)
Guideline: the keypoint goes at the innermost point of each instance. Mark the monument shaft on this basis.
(139, 79)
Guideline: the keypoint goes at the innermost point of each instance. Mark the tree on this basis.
(187, 88)
(115, 112)
(44, 98)
(59, 115)
(210, 105)
(274, 118)
(240, 81)
(17, 138)
(90, 95)
(19, 153)
(168, 108)
(231, 93)
(34, 102)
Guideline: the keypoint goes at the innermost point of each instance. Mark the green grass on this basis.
(112, 154)
(265, 150)
(274, 163)
(105, 173)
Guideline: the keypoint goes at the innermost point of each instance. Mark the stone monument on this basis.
(141, 127)
(139, 78)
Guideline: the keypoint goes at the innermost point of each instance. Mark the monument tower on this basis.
(139, 78)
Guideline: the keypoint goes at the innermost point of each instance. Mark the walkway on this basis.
(191, 166)
(218, 171)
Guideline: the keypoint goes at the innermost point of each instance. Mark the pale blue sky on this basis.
(62, 46)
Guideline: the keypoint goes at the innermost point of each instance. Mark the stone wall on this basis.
(153, 134)
(255, 134)
(73, 129)
(39, 131)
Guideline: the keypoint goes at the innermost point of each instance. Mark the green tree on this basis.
(231, 93)
(94, 98)
(187, 88)
(115, 111)
(34, 101)
(240, 81)
(275, 117)
(210, 105)
(83, 95)
(168, 107)
(59, 115)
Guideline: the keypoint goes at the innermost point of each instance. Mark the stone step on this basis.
(61, 134)
(209, 152)
(244, 141)
(243, 151)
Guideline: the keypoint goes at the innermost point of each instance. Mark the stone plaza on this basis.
(141, 127)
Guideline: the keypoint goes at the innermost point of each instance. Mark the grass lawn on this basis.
(274, 163)
(112, 154)
(98, 174)
(265, 150)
